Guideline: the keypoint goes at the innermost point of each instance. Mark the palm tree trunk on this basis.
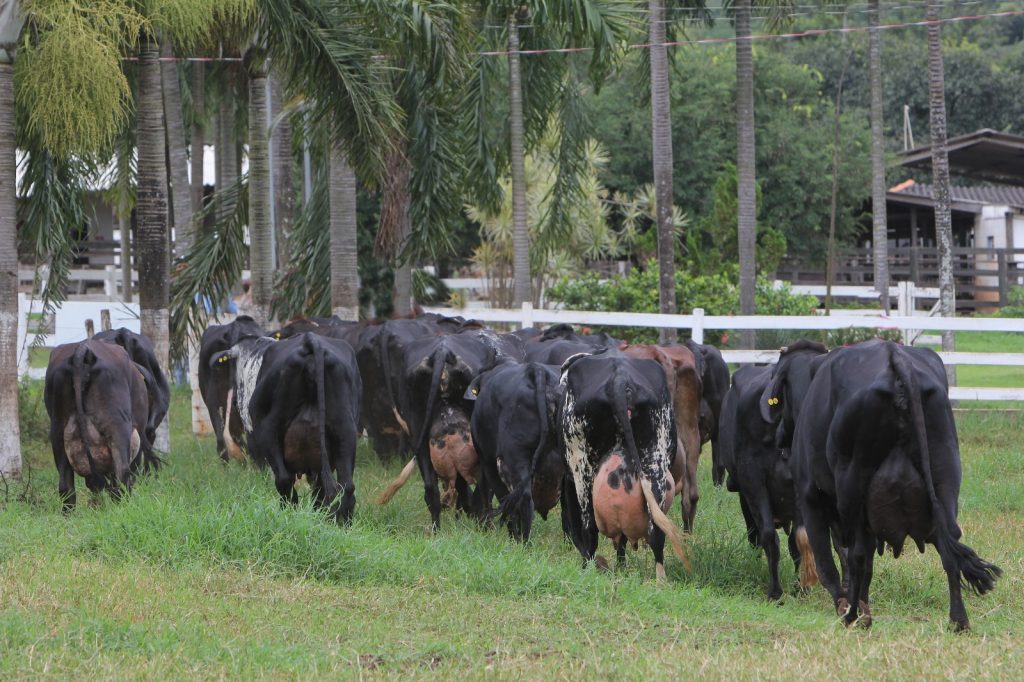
(402, 298)
(880, 231)
(940, 173)
(261, 229)
(284, 190)
(344, 252)
(520, 227)
(181, 201)
(745, 171)
(10, 440)
(198, 135)
(151, 210)
(124, 225)
(226, 151)
(661, 147)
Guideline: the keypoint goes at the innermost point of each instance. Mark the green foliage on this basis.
(211, 268)
(717, 294)
(68, 77)
(1015, 303)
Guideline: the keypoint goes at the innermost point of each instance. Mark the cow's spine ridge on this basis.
(77, 382)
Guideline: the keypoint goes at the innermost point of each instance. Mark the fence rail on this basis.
(697, 323)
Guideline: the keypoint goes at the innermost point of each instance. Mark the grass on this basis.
(201, 573)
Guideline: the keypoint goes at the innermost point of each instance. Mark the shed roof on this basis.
(983, 155)
(968, 199)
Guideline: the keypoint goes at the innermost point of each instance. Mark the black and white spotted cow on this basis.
(618, 437)
(216, 381)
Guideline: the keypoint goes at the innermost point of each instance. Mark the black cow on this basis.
(98, 405)
(714, 384)
(618, 436)
(875, 452)
(515, 436)
(299, 401)
(435, 373)
(558, 350)
(756, 423)
(215, 382)
(140, 350)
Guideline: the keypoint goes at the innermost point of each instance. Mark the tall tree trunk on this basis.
(124, 226)
(661, 147)
(745, 170)
(402, 299)
(284, 189)
(344, 248)
(261, 228)
(10, 439)
(177, 152)
(198, 135)
(520, 227)
(151, 210)
(226, 151)
(880, 231)
(940, 173)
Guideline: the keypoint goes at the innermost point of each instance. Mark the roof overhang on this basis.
(983, 155)
(926, 202)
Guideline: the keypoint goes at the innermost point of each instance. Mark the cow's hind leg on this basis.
(431, 494)
(821, 545)
(860, 576)
(768, 538)
(344, 466)
(656, 539)
(582, 535)
(66, 475)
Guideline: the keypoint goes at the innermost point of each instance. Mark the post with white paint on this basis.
(527, 320)
(905, 307)
(110, 283)
(105, 320)
(90, 328)
(201, 424)
(697, 333)
(22, 337)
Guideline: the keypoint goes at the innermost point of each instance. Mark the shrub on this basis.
(1015, 303)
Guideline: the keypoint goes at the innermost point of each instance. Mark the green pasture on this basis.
(202, 574)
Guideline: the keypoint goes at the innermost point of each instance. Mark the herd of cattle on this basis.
(852, 450)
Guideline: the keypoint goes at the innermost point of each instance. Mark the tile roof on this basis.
(989, 196)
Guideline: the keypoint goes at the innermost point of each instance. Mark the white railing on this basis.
(697, 323)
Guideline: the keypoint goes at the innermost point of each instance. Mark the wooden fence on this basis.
(697, 323)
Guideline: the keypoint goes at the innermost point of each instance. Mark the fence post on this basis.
(527, 319)
(1004, 278)
(697, 333)
(110, 283)
(90, 328)
(22, 336)
(105, 319)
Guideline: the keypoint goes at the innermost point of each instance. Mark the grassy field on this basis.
(201, 573)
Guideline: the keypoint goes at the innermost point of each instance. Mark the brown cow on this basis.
(685, 386)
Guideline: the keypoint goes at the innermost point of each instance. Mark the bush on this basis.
(717, 294)
(1015, 303)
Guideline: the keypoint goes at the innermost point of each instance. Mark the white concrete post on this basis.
(22, 349)
(110, 283)
(697, 333)
(201, 424)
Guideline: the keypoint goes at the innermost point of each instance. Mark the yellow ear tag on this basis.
(476, 390)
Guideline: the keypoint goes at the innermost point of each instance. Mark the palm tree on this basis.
(745, 164)
(880, 232)
(197, 138)
(281, 164)
(661, 148)
(542, 91)
(177, 152)
(940, 172)
(151, 211)
(261, 230)
(343, 226)
(10, 443)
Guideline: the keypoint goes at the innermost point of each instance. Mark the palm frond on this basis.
(211, 268)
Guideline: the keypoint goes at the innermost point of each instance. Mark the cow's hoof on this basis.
(864, 620)
(659, 574)
(775, 594)
(601, 564)
(961, 625)
(842, 607)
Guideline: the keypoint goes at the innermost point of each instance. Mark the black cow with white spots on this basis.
(618, 436)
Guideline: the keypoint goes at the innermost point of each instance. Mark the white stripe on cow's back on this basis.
(248, 363)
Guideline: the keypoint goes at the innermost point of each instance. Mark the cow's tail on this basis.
(385, 359)
(808, 569)
(514, 500)
(79, 363)
(329, 485)
(658, 516)
(974, 571)
(440, 358)
(234, 451)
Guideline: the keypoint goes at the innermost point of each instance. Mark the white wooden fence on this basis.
(698, 322)
(69, 325)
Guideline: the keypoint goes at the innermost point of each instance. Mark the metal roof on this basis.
(969, 199)
(982, 155)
